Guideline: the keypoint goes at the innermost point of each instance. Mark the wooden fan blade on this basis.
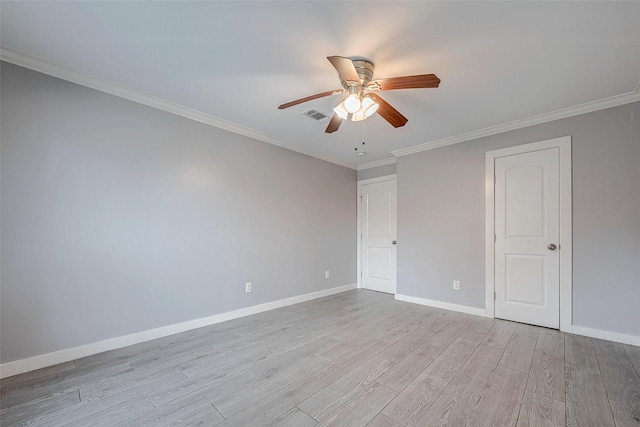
(407, 82)
(389, 113)
(309, 98)
(334, 124)
(345, 68)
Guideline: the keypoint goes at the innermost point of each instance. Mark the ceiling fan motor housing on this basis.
(364, 69)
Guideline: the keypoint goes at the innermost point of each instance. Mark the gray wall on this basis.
(377, 172)
(118, 218)
(441, 217)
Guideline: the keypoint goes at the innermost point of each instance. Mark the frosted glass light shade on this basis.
(358, 116)
(369, 106)
(352, 103)
(341, 111)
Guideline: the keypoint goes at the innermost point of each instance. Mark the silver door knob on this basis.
(552, 247)
(394, 242)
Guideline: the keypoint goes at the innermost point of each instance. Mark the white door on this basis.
(527, 228)
(378, 244)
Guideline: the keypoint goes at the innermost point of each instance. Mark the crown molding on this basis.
(375, 164)
(601, 104)
(158, 103)
(177, 109)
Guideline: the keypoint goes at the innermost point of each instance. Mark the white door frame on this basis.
(564, 147)
(359, 221)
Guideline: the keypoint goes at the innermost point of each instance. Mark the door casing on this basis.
(564, 147)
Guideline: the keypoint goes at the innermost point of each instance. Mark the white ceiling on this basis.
(499, 62)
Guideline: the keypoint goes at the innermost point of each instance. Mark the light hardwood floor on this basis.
(356, 358)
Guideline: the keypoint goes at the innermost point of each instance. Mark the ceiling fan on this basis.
(362, 102)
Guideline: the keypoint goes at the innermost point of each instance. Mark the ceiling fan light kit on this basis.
(356, 78)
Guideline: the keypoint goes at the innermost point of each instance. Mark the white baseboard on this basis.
(444, 305)
(605, 335)
(42, 361)
(575, 329)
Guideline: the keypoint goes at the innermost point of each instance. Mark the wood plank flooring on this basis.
(358, 358)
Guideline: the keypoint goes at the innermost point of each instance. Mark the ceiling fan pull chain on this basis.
(362, 153)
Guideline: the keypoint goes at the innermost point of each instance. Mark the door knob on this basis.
(552, 247)
(394, 242)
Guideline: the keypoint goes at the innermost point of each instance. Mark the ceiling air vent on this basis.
(315, 115)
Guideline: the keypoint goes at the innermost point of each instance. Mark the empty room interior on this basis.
(320, 213)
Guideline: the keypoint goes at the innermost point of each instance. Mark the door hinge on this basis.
(494, 296)
(360, 199)
(494, 179)
(494, 237)
(360, 273)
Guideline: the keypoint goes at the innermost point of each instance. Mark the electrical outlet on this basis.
(456, 285)
(247, 287)
(326, 274)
